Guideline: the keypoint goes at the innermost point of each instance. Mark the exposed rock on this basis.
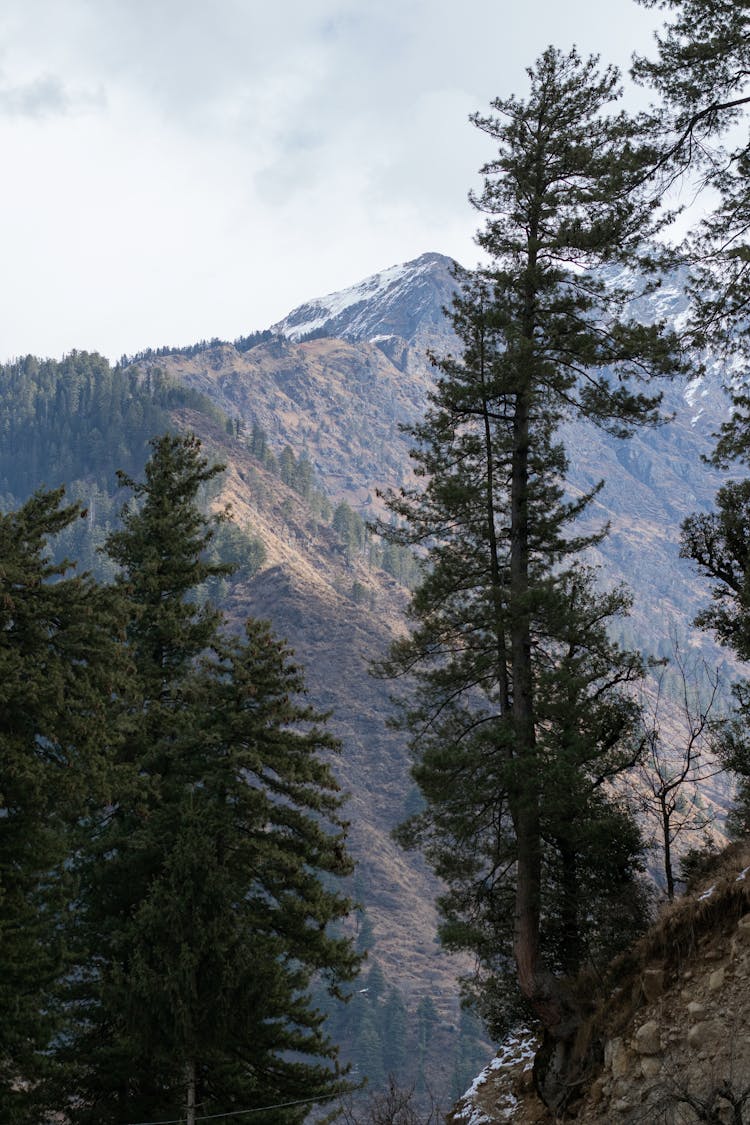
(716, 980)
(691, 1040)
(648, 1039)
(652, 983)
(743, 928)
(617, 1058)
(597, 1091)
(650, 1066)
(704, 1034)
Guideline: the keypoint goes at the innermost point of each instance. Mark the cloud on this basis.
(46, 96)
(251, 154)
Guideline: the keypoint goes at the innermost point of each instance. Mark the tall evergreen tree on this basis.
(58, 659)
(719, 544)
(205, 900)
(518, 718)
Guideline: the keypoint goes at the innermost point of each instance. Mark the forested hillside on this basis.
(79, 419)
(286, 527)
(527, 534)
(309, 431)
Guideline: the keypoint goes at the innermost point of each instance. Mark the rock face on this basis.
(346, 371)
(404, 302)
(677, 1054)
(690, 1060)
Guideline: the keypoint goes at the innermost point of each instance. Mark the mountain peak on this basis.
(400, 301)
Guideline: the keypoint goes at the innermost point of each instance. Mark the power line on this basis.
(240, 1112)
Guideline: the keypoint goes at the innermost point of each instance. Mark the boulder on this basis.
(652, 983)
(648, 1039)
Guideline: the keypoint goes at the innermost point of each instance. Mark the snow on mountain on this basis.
(357, 360)
(401, 311)
(397, 301)
(316, 314)
(406, 302)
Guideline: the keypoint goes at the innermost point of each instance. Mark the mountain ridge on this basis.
(342, 395)
(403, 300)
(340, 401)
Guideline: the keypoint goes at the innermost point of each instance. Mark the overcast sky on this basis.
(180, 169)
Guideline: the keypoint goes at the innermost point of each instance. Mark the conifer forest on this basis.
(196, 813)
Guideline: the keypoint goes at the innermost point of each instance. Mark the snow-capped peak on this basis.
(369, 308)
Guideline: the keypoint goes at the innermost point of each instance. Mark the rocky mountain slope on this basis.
(403, 304)
(335, 381)
(341, 394)
(345, 371)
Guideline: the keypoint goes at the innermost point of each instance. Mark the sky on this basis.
(177, 170)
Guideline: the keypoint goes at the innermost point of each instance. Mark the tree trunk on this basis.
(546, 994)
(526, 797)
(571, 954)
(495, 576)
(190, 1092)
(666, 826)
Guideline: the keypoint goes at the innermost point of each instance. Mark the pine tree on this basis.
(395, 1034)
(702, 71)
(206, 888)
(719, 544)
(518, 719)
(58, 662)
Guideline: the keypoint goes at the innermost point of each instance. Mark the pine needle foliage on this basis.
(518, 717)
(206, 903)
(702, 73)
(58, 661)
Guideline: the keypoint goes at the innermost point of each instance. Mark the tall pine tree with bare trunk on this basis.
(518, 718)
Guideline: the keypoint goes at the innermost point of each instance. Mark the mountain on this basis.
(345, 371)
(652, 481)
(307, 417)
(335, 382)
(403, 303)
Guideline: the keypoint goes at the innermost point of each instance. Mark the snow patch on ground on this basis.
(472, 1116)
(692, 389)
(518, 1048)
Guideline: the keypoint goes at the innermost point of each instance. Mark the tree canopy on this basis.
(701, 72)
(59, 658)
(171, 841)
(518, 718)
